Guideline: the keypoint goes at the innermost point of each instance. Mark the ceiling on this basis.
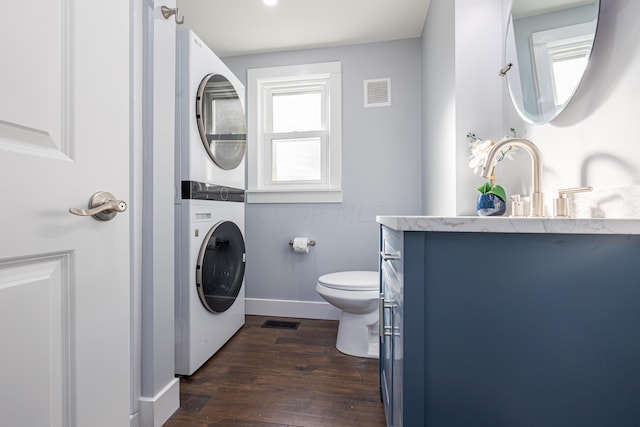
(241, 27)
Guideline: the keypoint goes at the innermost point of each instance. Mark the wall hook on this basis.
(503, 71)
(167, 12)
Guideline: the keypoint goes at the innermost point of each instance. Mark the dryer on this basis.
(209, 292)
(211, 132)
(209, 208)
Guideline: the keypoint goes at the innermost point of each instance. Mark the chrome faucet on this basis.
(537, 208)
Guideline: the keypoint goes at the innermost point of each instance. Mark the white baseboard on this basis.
(134, 420)
(289, 308)
(156, 410)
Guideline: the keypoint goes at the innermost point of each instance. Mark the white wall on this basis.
(439, 110)
(478, 89)
(461, 93)
(593, 141)
(381, 174)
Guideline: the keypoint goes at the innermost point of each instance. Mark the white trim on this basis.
(156, 410)
(134, 420)
(542, 44)
(305, 71)
(291, 308)
(259, 174)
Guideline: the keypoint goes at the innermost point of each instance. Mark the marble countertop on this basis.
(478, 224)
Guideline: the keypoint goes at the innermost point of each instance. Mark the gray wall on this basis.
(381, 174)
(461, 93)
(154, 388)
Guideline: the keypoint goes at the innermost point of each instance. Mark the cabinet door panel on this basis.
(386, 355)
(391, 357)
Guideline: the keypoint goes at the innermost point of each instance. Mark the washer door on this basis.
(221, 121)
(220, 267)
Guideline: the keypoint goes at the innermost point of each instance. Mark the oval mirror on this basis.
(547, 49)
(221, 121)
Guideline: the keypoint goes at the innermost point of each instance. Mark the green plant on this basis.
(495, 189)
(479, 152)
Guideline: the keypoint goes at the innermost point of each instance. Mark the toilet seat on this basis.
(351, 280)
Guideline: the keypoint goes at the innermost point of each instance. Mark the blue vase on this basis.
(490, 205)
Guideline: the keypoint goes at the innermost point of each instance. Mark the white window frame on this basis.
(262, 84)
(545, 44)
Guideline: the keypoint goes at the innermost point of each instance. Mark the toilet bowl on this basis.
(356, 293)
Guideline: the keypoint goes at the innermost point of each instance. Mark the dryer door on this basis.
(221, 121)
(220, 267)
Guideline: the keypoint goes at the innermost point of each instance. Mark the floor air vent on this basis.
(280, 324)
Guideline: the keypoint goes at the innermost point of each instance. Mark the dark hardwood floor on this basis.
(281, 378)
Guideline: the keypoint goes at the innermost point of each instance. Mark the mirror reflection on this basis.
(221, 121)
(548, 44)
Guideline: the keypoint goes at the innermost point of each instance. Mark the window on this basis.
(569, 58)
(560, 56)
(295, 134)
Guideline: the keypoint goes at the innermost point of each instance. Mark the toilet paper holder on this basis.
(309, 243)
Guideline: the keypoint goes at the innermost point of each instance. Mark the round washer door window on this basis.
(221, 121)
(220, 267)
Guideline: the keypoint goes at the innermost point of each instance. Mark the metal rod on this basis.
(505, 69)
(309, 243)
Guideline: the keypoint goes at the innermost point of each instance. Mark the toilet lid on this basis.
(351, 280)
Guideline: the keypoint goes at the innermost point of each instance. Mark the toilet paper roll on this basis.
(301, 245)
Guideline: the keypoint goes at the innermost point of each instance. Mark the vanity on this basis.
(516, 321)
(504, 321)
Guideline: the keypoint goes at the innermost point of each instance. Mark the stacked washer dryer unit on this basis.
(210, 175)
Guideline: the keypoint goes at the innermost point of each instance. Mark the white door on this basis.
(64, 279)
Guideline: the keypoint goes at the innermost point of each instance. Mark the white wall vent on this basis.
(377, 93)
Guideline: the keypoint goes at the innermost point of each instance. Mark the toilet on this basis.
(357, 294)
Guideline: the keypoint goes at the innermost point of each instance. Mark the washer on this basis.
(209, 210)
(211, 131)
(210, 253)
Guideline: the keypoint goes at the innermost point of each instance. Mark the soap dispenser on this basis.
(517, 206)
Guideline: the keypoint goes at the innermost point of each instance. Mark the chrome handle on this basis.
(563, 192)
(103, 206)
(382, 304)
(167, 12)
(381, 315)
(391, 331)
(561, 206)
(387, 256)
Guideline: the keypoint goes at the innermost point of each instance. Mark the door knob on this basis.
(103, 206)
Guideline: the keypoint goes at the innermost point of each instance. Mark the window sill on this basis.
(294, 196)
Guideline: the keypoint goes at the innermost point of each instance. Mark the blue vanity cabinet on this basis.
(510, 329)
(401, 326)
